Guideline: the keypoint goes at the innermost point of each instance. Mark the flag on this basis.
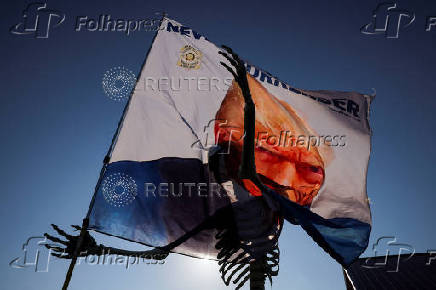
(311, 152)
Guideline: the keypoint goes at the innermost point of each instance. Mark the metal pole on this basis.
(257, 274)
(85, 224)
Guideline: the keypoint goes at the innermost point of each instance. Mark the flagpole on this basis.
(257, 274)
(85, 222)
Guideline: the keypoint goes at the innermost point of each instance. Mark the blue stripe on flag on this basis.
(344, 239)
(124, 208)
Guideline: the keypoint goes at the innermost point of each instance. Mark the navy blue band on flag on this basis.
(344, 239)
(158, 202)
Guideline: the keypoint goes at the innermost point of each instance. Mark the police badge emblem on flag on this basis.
(190, 57)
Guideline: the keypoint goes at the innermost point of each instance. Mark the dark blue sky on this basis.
(56, 123)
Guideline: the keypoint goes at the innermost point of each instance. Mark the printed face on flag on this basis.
(294, 169)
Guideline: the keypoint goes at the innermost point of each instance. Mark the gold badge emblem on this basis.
(190, 57)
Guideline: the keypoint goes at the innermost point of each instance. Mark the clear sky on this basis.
(56, 123)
